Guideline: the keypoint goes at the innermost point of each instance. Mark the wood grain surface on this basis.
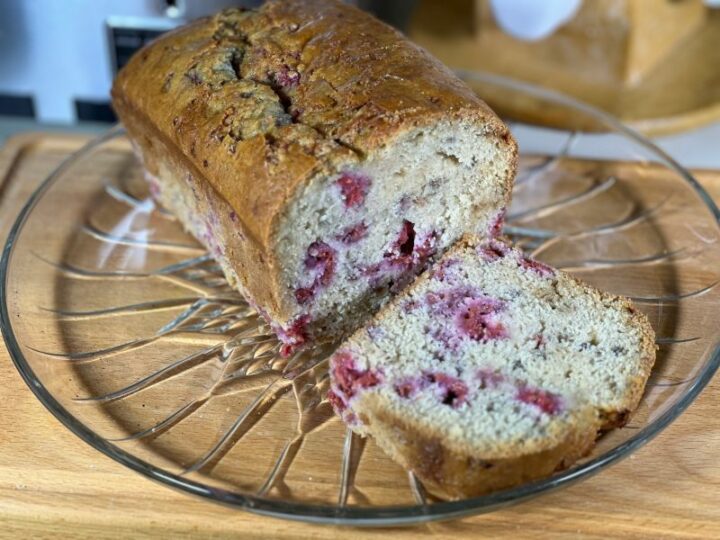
(53, 485)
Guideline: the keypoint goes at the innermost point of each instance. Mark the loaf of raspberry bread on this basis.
(321, 157)
(491, 370)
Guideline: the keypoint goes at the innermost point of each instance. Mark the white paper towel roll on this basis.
(531, 20)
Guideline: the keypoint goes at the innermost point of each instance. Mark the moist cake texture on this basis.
(492, 369)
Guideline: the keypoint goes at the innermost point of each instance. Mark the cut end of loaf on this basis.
(351, 239)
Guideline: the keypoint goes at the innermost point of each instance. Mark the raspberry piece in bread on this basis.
(491, 370)
(320, 156)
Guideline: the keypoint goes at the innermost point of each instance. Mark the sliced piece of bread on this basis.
(491, 370)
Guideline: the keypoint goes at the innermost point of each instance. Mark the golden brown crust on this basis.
(362, 80)
(449, 472)
(250, 262)
(257, 103)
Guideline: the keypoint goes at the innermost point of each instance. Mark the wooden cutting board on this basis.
(53, 485)
(681, 92)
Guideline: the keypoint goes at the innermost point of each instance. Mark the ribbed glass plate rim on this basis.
(376, 516)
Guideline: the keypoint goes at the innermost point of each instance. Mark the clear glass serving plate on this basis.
(125, 329)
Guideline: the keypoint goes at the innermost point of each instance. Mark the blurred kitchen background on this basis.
(655, 64)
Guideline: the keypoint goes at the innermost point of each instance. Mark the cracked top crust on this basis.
(259, 102)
